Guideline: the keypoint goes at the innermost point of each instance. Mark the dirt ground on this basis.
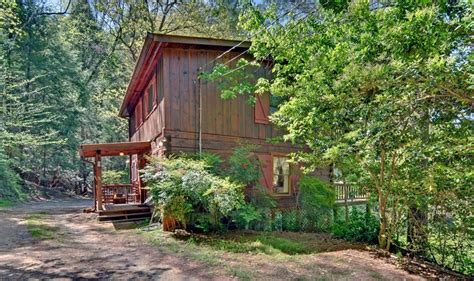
(85, 248)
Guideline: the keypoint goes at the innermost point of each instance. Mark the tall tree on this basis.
(382, 93)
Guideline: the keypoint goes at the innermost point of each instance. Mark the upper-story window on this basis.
(159, 81)
(138, 114)
(143, 108)
(132, 123)
(150, 96)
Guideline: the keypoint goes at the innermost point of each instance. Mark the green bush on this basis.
(114, 176)
(202, 222)
(10, 189)
(291, 220)
(243, 165)
(317, 203)
(361, 227)
(213, 162)
(181, 186)
(277, 222)
(246, 216)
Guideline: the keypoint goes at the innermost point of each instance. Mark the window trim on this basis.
(139, 113)
(158, 79)
(151, 84)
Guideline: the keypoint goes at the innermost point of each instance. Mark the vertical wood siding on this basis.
(219, 117)
(153, 123)
(225, 123)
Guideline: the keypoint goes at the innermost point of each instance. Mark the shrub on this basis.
(263, 203)
(291, 220)
(113, 176)
(243, 165)
(361, 227)
(10, 189)
(181, 186)
(277, 222)
(246, 215)
(317, 202)
(213, 162)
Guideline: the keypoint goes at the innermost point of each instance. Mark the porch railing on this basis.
(349, 193)
(120, 194)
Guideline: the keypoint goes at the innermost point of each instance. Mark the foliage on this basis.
(181, 186)
(267, 243)
(212, 161)
(5, 203)
(291, 220)
(202, 222)
(383, 92)
(63, 74)
(246, 215)
(317, 202)
(10, 188)
(113, 176)
(38, 229)
(243, 165)
(361, 227)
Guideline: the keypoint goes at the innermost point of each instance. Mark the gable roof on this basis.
(151, 50)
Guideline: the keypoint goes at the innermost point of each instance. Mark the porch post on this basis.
(98, 180)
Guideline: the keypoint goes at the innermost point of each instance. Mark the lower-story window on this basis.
(281, 175)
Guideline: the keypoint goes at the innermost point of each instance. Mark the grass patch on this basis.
(236, 253)
(241, 274)
(5, 203)
(38, 229)
(260, 243)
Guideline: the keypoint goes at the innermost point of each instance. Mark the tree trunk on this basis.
(384, 242)
(417, 211)
(416, 230)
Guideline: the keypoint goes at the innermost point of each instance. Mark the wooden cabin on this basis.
(169, 108)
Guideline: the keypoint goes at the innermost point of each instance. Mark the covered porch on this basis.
(116, 200)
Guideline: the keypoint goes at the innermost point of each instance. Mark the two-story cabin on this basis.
(170, 110)
(167, 105)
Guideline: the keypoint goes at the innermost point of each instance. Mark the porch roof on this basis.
(114, 149)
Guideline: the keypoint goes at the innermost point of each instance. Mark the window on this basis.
(138, 115)
(150, 97)
(132, 124)
(281, 175)
(143, 108)
(159, 81)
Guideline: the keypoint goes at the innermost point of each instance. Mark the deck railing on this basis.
(119, 194)
(349, 193)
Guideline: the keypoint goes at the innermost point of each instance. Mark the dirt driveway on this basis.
(80, 247)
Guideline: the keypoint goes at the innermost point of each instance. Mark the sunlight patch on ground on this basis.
(38, 228)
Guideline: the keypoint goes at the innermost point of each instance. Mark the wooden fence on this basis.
(350, 193)
(120, 194)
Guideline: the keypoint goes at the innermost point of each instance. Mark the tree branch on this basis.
(56, 13)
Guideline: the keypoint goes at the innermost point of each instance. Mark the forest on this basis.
(380, 90)
(65, 67)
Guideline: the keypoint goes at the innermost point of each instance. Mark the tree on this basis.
(382, 93)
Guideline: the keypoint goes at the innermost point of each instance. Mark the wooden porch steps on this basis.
(124, 213)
